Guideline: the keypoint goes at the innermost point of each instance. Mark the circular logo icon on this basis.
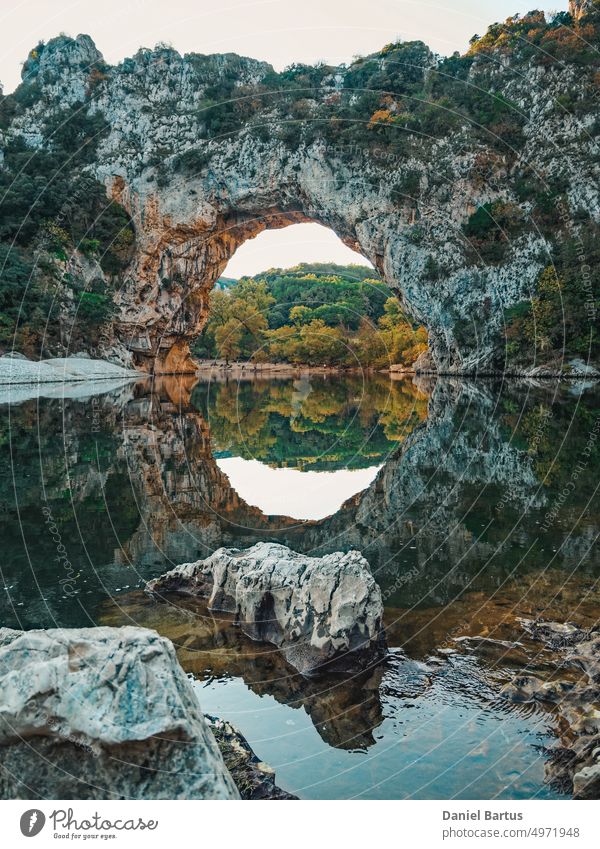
(32, 822)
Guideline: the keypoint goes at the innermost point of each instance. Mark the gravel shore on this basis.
(16, 369)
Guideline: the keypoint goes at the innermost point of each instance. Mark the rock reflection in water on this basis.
(344, 710)
(454, 528)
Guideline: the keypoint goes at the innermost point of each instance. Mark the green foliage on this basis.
(410, 184)
(94, 309)
(237, 321)
(75, 133)
(490, 228)
(191, 161)
(43, 466)
(531, 36)
(50, 208)
(27, 308)
(539, 428)
(312, 343)
(561, 318)
(314, 314)
(335, 294)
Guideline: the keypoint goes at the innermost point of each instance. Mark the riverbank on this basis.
(16, 369)
(219, 369)
(574, 369)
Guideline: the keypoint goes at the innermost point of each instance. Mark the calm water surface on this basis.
(475, 504)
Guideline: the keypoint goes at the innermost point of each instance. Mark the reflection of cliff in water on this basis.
(191, 507)
(131, 485)
(458, 505)
(452, 528)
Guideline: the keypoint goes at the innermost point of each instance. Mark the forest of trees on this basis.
(312, 314)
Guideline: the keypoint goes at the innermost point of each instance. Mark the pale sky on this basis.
(306, 495)
(279, 31)
(290, 246)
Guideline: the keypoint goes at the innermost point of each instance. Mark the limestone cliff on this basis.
(458, 178)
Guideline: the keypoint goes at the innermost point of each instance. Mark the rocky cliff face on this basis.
(579, 8)
(439, 172)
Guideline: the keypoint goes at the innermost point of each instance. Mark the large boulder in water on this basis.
(102, 713)
(322, 612)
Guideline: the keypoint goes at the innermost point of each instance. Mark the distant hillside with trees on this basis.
(311, 314)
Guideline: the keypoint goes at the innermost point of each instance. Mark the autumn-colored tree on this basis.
(238, 320)
(361, 330)
(228, 339)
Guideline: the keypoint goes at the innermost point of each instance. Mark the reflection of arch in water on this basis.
(193, 509)
(412, 523)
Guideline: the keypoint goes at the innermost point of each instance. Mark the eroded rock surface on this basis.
(346, 711)
(254, 778)
(321, 612)
(573, 691)
(102, 713)
(19, 369)
(205, 152)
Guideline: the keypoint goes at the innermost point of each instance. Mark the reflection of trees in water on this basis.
(316, 423)
(458, 504)
(141, 491)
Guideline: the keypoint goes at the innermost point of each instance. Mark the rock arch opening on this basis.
(295, 296)
(186, 264)
(165, 305)
(292, 246)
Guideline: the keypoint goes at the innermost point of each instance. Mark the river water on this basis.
(474, 503)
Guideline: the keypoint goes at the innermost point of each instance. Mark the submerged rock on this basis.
(254, 778)
(346, 712)
(320, 611)
(573, 691)
(102, 713)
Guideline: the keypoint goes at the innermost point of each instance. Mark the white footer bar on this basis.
(301, 825)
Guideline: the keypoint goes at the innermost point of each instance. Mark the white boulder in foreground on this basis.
(320, 611)
(102, 713)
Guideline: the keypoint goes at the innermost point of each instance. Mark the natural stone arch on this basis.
(165, 302)
(196, 193)
(195, 206)
(188, 229)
